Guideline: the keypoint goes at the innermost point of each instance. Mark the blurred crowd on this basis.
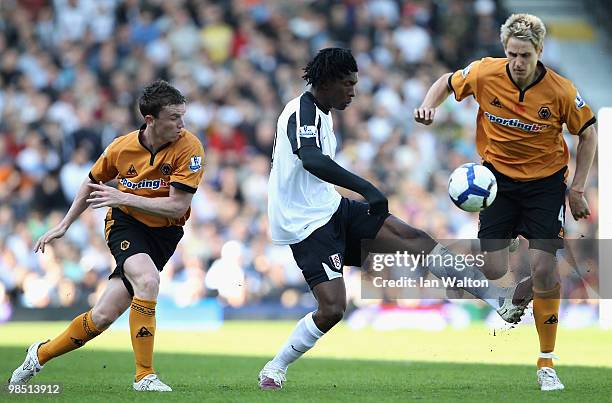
(602, 13)
(71, 70)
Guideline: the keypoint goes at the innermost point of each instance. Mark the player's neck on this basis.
(318, 96)
(528, 80)
(148, 139)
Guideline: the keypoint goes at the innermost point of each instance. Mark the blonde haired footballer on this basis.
(158, 169)
(522, 107)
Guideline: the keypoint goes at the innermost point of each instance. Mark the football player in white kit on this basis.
(324, 229)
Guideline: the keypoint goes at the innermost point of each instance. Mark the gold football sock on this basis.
(546, 316)
(79, 332)
(142, 331)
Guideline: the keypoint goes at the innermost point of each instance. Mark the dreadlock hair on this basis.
(328, 65)
(157, 95)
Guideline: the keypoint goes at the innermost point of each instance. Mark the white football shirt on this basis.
(299, 202)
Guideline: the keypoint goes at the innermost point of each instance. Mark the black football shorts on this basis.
(126, 236)
(323, 254)
(533, 209)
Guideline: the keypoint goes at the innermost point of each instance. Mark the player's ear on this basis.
(149, 119)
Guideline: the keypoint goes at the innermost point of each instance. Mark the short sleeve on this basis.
(577, 113)
(463, 83)
(190, 168)
(105, 168)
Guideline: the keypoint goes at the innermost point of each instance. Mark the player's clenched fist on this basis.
(424, 115)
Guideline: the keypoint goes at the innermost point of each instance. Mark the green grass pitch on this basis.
(346, 365)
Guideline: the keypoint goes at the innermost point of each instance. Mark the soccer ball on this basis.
(472, 187)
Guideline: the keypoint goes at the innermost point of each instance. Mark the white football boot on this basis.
(271, 378)
(548, 379)
(30, 367)
(151, 383)
(513, 307)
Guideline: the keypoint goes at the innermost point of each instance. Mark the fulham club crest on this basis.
(336, 261)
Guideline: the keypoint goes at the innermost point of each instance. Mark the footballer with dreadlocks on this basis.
(324, 229)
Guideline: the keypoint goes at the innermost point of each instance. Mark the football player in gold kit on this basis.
(522, 107)
(158, 169)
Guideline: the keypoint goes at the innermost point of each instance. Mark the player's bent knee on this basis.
(147, 286)
(544, 268)
(494, 272)
(496, 264)
(332, 314)
(142, 275)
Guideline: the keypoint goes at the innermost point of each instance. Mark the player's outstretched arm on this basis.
(436, 94)
(173, 206)
(76, 209)
(326, 169)
(587, 145)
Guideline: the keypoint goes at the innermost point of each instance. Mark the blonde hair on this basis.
(525, 27)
